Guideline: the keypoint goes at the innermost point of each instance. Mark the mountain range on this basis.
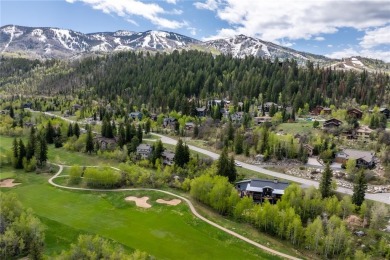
(49, 42)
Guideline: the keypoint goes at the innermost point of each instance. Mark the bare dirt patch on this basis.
(8, 183)
(173, 202)
(140, 202)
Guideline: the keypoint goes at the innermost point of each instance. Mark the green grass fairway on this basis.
(166, 232)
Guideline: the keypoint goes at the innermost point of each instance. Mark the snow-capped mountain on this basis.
(46, 42)
(241, 46)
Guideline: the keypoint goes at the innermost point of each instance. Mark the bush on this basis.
(102, 177)
(29, 166)
(75, 174)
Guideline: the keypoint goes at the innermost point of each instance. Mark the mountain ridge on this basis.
(53, 42)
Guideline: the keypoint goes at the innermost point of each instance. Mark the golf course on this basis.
(163, 231)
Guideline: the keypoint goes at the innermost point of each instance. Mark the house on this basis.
(189, 126)
(27, 105)
(136, 115)
(144, 150)
(237, 117)
(201, 111)
(105, 143)
(77, 107)
(354, 112)
(363, 132)
(259, 120)
(29, 124)
(168, 157)
(363, 159)
(385, 111)
(332, 123)
(309, 149)
(169, 122)
(4, 112)
(268, 105)
(261, 190)
(327, 111)
(153, 117)
(318, 109)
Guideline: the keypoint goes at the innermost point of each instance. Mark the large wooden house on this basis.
(364, 159)
(262, 190)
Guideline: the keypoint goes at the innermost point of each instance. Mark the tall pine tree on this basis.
(359, 189)
(31, 144)
(89, 142)
(326, 182)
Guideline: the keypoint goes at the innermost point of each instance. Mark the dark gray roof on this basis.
(258, 183)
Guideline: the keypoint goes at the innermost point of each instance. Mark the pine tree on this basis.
(121, 135)
(326, 182)
(158, 149)
(41, 151)
(70, 130)
(58, 139)
(226, 167)
(21, 155)
(232, 174)
(49, 133)
(76, 130)
(113, 129)
(31, 144)
(15, 149)
(147, 126)
(129, 134)
(196, 131)
(139, 133)
(359, 189)
(11, 112)
(179, 154)
(238, 143)
(89, 142)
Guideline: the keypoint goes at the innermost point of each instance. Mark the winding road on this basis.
(189, 203)
(379, 197)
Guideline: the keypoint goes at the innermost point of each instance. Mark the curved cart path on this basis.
(192, 208)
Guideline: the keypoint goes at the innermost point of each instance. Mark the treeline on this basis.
(168, 81)
(302, 216)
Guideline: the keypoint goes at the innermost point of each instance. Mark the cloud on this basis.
(274, 20)
(371, 53)
(319, 38)
(192, 30)
(330, 45)
(132, 21)
(128, 8)
(208, 5)
(171, 1)
(376, 37)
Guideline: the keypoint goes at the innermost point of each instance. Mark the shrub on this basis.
(75, 174)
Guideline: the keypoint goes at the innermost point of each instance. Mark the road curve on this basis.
(189, 203)
(380, 197)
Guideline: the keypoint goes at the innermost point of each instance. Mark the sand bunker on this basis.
(140, 202)
(8, 183)
(173, 202)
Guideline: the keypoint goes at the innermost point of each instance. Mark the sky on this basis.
(335, 28)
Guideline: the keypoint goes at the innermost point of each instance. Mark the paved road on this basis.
(380, 197)
(191, 206)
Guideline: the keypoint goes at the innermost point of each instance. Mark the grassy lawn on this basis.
(296, 128)
(162, 231)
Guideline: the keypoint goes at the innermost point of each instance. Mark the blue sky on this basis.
(334, 28)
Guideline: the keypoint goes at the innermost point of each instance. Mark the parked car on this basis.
(237, 164)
